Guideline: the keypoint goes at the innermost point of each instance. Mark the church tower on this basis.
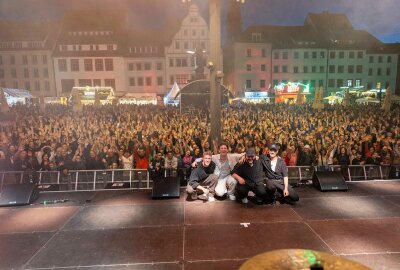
(234, 20)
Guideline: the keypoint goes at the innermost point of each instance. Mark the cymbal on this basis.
(295, 259)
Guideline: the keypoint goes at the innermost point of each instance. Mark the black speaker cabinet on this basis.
(329, 181)
(168, 187)
(18, 194)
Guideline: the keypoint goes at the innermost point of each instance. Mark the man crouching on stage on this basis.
(201, 177)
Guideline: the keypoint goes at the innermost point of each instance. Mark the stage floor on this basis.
(127, 230)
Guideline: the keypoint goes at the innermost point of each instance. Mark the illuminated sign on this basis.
(292, 88)
(255, 95)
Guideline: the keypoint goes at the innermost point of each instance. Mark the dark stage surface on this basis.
(127, 230)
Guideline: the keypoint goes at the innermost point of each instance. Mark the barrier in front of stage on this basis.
(85, 180)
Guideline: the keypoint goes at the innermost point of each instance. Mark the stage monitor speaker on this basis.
(329, 181)
(18, 194)
(168, 187)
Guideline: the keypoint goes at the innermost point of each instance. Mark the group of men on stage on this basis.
(234, 175)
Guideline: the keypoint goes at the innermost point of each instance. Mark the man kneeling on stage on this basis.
(276, 172)
(201, 177)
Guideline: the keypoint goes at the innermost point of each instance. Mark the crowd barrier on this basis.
(86, 180)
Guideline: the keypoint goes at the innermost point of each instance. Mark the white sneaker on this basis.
(211, 199)
(245, 200)
(232, 197)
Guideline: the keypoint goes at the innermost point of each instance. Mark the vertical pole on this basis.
(215, 70)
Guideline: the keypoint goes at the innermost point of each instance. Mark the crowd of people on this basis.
(163, 138)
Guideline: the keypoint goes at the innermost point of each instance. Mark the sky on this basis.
(379, 17)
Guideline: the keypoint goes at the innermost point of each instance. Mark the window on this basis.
(184, 62)
(98, 64)
(351, 55)
(47, 86)
(26, 73)
(138, 66)
(66, 85)
(305, 55)
(305, 69)
(109, 64)
(296, 55)
(379, 72)
(28, 85)
(37, 86)
(360, 55)
(248, 52)
(256, 37)
(312, 83)
(248, 84)
(350, 69)
(295, 69)
(160, 81)
(275, 83)
(389, 59)
(320, 83)
(262, 83)
(159, 66)
(171, 62)
(371, 59)
(13, 73)
(74, 64)
(321, 69)
(44, 59)
(263, 67)
(276, 69)
(285, 55)
(332, 55)
(350, 83)
(36, 73)
(263, 53)
(25, 59)
(380, 59)
(96, 82)
(284, 69)
(88, 63)
(131, 66)
(248, 67)
(331, 83)
(62, 64)
(140, 81)
(359, 69)
(340, 69)
(276, 55)
(370, 72)
(185, 45)
(387, 71)
(314, 55)
(339, 82)
(131, 81)
(148, 81)
(358, 82)
(321, 54)
(341, 54)
(84, 82)
(34, 59)
(331, 69)
(110, 83)
(110, 47)
(313, 69)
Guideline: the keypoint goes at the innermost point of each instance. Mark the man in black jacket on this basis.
(250, 177)
(201, 177)
(276, 173)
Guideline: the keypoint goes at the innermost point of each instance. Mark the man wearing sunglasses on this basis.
(276, 173)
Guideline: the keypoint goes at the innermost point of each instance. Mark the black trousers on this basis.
(274, 185)
(258, 189)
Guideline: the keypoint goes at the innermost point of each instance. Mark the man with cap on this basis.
(276, 173)
(250, 177)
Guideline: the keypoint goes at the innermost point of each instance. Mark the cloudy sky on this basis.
(379, 17)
